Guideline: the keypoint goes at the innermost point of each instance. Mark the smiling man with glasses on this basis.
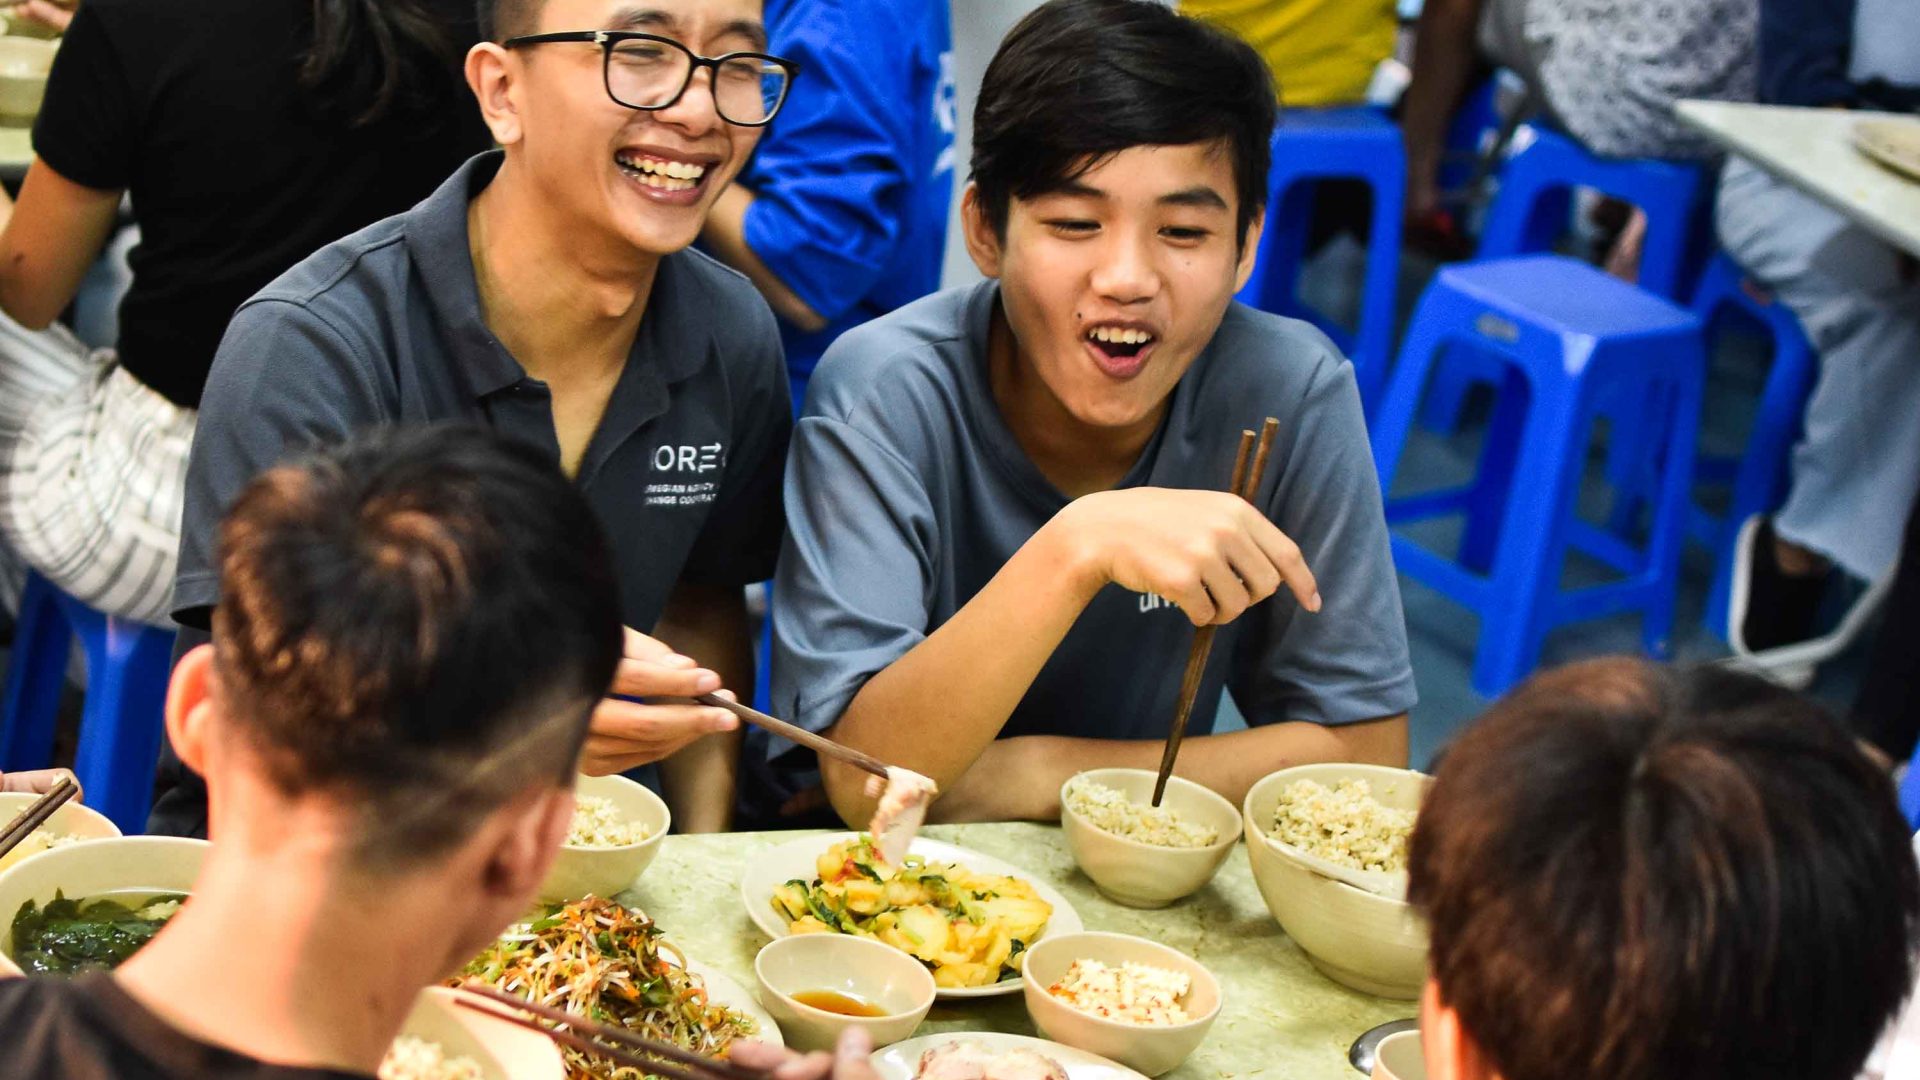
(546, 290)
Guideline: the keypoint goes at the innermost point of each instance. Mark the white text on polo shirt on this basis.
(1153, 602)
(689, 459)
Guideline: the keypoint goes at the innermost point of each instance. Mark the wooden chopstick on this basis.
(627, 1048)
(818, 743)
(1246, 484)
(37, 813)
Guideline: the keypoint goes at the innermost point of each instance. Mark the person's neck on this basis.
(280, 956)
(1076, 457)
(565, 305)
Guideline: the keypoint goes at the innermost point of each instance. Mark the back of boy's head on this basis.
(1642, 873)
(418, 622)
(1077, 81)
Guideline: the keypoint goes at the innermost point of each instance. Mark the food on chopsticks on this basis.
(37, 841)
(68, 936)
(970, 929)
(598, 823)
(1129, 993)
(904, 797)
(1109, 810)
(962, 1060)
(414, 1058)
(1343, 824)
(596, 958)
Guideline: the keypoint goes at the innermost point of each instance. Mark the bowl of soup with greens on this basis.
(87, 907)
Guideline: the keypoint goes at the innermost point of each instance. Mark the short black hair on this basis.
(1077, 81)
(502, 19)
(420, 619)
(1641, 873)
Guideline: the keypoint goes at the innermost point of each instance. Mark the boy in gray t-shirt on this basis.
(1004, 502)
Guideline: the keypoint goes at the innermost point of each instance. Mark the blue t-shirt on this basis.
(906, 492)
(852, 182)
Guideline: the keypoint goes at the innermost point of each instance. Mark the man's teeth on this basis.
(1115, 336)
(662, 174)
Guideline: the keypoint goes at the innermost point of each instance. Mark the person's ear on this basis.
(983, 240)
(532, 829)
(1249, 250)
(494, 75)
(191, 705)
(1449, 1051)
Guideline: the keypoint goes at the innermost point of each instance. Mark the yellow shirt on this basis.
(1322, 52)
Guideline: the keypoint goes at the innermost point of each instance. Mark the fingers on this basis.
(35, 781)
(1284, 556)
(853, 1056)
(650, 669)
(1229, 594)
(623, 734)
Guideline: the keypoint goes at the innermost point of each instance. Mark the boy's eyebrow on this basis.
(656, 20)
(1199, 195)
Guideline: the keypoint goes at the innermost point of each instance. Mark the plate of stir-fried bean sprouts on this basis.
(599, 959)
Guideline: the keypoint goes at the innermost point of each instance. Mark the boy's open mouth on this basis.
(1119, 342)
(661, 174)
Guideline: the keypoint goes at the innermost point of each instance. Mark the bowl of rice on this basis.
(617, 829)
(1138, 1002)
(1356, 816)
(70, 824)
(1138, 854)
(443, 1040)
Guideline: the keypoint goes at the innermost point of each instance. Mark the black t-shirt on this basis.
(87, 1028)
(194, 107)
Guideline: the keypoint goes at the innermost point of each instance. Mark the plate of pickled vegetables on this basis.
(968, 916)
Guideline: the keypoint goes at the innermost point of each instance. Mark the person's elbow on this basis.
(24, 304)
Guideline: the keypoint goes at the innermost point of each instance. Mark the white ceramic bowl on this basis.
(1400, 1057)
(503, 1050)
(1371, 943)
(582, 871)
(24, 63)
(73, 819)
(120, 864)
(1147, 875)
(867, 970)
(1152, 1050)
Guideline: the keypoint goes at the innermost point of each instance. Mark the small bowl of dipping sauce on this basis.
(818, 985)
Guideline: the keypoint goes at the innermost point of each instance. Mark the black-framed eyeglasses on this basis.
(649, 73)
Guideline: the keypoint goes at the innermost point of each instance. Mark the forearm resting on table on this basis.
(936, 709)
(1019, 779)
(726, 237)
(710, 624)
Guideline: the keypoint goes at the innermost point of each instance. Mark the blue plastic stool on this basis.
(1758, 476)
(1534, 204)
(128, 664)
(1566, 339)
(1312, 145)
(1910, 793)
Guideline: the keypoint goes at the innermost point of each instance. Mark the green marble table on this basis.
(1281, 1018)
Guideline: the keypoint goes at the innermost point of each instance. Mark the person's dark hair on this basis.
(421, 620)
(502, 19)
(1077, 81)
(1643, 873)
(372, 60)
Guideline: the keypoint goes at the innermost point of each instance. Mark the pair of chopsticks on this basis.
(1248, 466)
(37, 813)
(817, 743)
(617, 1045)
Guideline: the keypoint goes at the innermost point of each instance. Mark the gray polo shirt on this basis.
(906, 492)
(384, 327)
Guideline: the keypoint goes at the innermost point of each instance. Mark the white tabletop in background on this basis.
(1812, 149)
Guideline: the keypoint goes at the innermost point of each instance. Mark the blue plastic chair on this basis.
(1910, 793)
(1758, 475)
(128, 664)
(1566, 338)
(1313, 145)
(1535, 204)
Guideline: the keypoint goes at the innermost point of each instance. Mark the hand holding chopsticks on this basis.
(36, 815)
(1249, 465)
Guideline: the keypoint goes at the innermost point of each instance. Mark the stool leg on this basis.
(36, 676)
(1493, 479)
(1669, 534)
(1373, 344)
(121, 729)
(1524, 573)
(1398, 408)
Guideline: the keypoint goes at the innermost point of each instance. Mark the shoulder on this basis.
(911, 352)
(1257, 355)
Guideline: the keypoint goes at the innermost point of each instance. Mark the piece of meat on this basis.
(902, 808)
(972, 1061)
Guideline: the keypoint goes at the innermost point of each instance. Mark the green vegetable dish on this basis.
(70, 936)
